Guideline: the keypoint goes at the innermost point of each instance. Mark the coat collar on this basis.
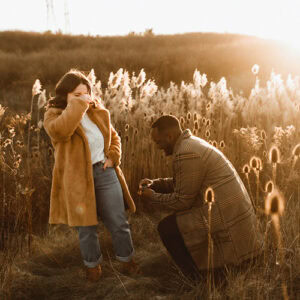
(184, 135)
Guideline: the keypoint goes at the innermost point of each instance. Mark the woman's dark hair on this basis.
(68, 84)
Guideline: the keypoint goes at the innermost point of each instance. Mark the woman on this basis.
(87, 182)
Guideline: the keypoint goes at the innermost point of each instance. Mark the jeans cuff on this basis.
(93, 264)
(125, 259)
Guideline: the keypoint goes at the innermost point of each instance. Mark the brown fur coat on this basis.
(72, 195)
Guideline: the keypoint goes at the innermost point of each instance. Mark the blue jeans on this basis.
(111, 211)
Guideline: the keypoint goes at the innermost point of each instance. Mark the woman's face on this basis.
(79, 91)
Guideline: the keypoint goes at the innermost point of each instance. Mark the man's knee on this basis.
(166, 226)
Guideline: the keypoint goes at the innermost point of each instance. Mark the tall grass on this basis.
(231, 122)
(27, 56)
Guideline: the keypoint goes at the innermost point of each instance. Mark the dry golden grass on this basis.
(55, 271)
(25, 56)
(242, 128)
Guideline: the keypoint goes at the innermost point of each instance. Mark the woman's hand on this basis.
(108, 164)
(87, 98)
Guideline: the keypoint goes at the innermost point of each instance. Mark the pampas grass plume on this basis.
(274, 155)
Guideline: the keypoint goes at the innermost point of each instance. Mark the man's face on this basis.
(162, 141)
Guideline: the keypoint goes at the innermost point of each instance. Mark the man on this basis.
(197, 166)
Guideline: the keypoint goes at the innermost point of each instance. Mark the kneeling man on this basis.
(197, 166)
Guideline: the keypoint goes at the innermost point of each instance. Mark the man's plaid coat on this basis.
(196, 166)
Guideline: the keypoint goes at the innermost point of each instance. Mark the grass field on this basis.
(258, 131)
(165, 58)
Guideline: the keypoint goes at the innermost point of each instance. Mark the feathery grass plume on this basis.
(296, 151)
(209, 195)
(203, 80)
(263, 134)
(246, 170)
(274, 207)
(259, 164)
(209, 198)
(296, 155)
(182, 121)
(115, 79)
(42, 99)
(256, 165)
(41, 103)
(195, 116)
(141, 78)
(97, 89)
(274, 204)
(253, 162)
(255, 69)
(197, 79)
(274, 158)
(148, 89)
(269, 187)
(2, 111)
(196, 126)
(92, 77)
(222, 144)
(40, 124)
(207, 133)
(36, 88)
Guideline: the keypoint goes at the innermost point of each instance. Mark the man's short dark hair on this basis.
(166, 122)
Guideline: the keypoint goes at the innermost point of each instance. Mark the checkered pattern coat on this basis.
(196, 166)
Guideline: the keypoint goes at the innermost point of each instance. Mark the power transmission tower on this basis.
(67, 18)
(48, 13)
(51, 21)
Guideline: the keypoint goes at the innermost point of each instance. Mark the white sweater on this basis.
(95, 139)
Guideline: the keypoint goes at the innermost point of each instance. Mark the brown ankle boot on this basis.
(130, 268)
(93, 274)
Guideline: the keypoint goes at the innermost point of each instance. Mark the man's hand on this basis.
(108, 164)
(145, 183)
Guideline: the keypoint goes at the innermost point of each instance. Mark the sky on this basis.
(275, 19)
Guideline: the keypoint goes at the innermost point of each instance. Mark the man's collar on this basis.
(184, 135)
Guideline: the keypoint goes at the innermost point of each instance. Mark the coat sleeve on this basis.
(115, 152)
(188, 180)
(61, 126)
(163, 185)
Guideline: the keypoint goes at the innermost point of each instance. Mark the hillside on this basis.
(27, 56)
